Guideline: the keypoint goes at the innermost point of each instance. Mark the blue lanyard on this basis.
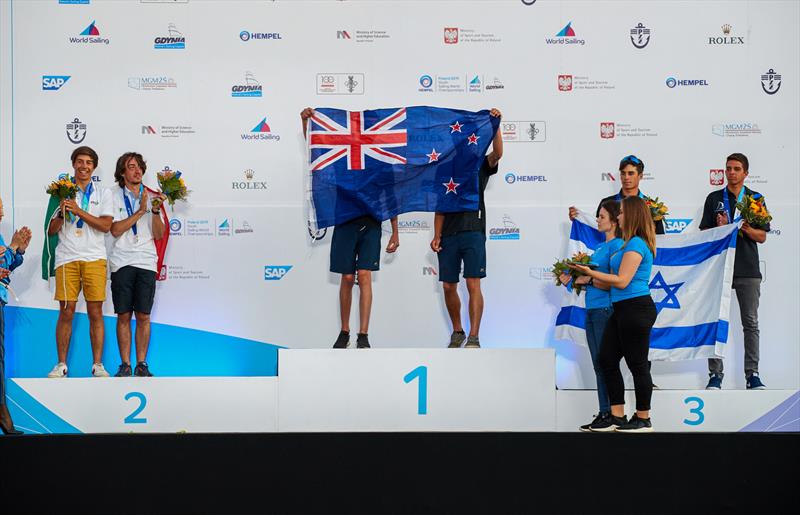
(727, 203)
(619, 197)
(85, 196)
(128, 205)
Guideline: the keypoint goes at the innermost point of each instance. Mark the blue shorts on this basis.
(469, 247)
(355, 245)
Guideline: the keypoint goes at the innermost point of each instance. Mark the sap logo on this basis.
(676, 225)
(54, 82)
(276, 272)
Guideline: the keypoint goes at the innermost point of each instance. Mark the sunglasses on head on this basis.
(631, 159)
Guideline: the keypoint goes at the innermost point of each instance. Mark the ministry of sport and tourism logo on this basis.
(566, 36)
(247, 36)
(89, 35)
(261, 132)
(672, 82)
(173, 40)
(54, 82)
(771, 82)
(509, 230)
(250, 88)
(640, 36)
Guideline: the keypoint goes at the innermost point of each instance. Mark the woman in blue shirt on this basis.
(10, 258)
(598, 303)
(627, 333)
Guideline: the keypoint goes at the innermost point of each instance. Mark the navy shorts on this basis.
(469, 247)
(356, 245)
(133, 289)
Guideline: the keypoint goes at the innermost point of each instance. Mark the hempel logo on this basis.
(673, 82)
(276, 272)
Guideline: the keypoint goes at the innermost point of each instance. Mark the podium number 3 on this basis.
(697, 410)
(421, 373)
(132, 418)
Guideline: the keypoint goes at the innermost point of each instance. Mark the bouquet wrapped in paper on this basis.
(63, 189)
(658, 210)
(562, 267)
(754, 210)
(172, 186)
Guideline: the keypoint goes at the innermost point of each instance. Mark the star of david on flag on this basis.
(385, 162)
(690, 286)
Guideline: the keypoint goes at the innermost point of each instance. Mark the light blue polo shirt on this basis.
(640, 284)
(595, 297)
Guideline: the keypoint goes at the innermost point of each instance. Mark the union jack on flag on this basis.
(385, 162)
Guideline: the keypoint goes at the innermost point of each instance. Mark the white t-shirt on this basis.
(84, 243)
(132, 250)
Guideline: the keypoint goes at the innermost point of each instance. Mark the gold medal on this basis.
(78, 232)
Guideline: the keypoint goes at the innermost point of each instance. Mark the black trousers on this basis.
(627, 335)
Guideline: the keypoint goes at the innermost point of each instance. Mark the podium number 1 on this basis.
(421, 373)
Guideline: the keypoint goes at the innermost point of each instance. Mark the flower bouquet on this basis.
(658, 210)
(172, 185)
(562, 267)
(63, 189)
(754, 210)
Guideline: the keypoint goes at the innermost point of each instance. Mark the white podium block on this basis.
(693, 410)
(417, 390)
(153, 404)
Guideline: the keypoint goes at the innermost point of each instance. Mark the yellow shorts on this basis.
(87, 275)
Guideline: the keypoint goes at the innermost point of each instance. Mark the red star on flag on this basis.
(473, 140)
(456, 127)
(451, 186)
(433, 156)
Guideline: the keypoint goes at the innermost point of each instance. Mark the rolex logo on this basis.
(726, 29)
(248, 174)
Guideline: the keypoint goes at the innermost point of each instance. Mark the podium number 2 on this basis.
(132, 418)
(421, 373)
(697, 410)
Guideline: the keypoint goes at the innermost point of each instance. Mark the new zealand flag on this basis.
(386, 162)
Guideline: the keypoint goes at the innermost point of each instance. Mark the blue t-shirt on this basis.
(595, 297)
(640, 284)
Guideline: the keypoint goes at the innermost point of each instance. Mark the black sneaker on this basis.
(599, 418)
(636, 425)
(457, 339)
(361, 341)
(141, 370)
(124, 370)
(342, 341)
(608, 424)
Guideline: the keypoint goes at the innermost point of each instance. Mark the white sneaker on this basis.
(59, 371)
(98, 370)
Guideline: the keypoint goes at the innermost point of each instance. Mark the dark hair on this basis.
(119, 173)
(638, 222)
(736, 156)
(612, 208)
(632, 160)
(85, 151)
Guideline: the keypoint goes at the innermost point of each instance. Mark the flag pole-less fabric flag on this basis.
(690, 285)
(385, 162)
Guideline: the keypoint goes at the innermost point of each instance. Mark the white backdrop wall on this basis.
(176, 107)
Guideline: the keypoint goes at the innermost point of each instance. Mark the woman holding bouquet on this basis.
(598, 305)
(627, 333)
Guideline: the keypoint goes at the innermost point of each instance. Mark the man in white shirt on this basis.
(80, 259)
(133, 259)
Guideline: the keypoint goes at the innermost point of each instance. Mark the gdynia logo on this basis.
(173, 41)
(509, 231)
(276, 272)
(90, 34)
(250, 88)
(54, 82)
(566, 37)
(673, 82)
(676, 225)
(261, 132)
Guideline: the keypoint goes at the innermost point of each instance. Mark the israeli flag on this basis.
(690, 285)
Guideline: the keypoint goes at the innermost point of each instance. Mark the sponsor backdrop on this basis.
(214, 90)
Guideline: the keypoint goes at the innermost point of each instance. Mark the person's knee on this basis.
(348, 280)
(142, 318)
(473, 286)
(450, 288)
(124, 318)
(66, 311)
(364, 278)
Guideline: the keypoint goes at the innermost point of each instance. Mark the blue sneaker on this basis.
(754, 383)
(714, 382)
